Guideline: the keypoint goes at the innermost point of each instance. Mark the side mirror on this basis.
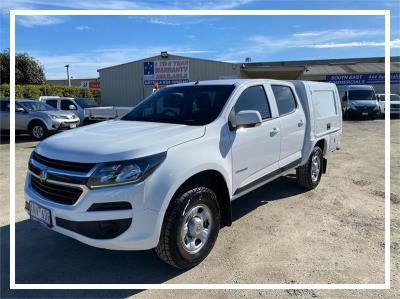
(72, 107)
(19, 109)
(247, 119)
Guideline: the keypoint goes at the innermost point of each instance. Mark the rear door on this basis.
(255, 151)
(292, 123)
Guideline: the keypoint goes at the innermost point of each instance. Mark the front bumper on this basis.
(356, 112)
(140, 232)
(64, 124)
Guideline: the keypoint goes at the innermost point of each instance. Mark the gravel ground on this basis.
(281, 234)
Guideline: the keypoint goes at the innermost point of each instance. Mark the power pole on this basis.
(69, 80)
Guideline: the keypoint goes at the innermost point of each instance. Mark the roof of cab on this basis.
(229, 82)
(359, 87)
(26, 100)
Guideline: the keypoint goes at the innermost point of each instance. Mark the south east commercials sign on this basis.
(166, 72)
(362, 79)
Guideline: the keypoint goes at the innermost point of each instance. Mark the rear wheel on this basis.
(38, 130)
(190, 228)
(309, 175)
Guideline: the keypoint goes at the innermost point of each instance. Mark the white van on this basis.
(164, 175)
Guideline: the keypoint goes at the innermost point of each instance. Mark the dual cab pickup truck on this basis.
(164, 175)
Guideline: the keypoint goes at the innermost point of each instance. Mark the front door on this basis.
(22, 118)
(255, 151)
(5, 115)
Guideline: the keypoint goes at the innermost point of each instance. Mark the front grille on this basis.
(63, 165)
(366, 109)
(61, 194)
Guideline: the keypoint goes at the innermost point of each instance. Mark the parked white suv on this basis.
(165, 174)
(394, 103)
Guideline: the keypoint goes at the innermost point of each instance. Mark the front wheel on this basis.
(190, 228)
(309, 175)
(38, 131)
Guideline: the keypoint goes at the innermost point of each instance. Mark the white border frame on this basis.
(385, 13)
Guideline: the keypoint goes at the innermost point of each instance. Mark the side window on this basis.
(284, 99)
(65, 104)
(52, 103)
(254, 98)
(5, 106)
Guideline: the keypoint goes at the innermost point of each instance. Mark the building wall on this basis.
(122, 85)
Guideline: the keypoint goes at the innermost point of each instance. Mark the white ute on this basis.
(165, 174)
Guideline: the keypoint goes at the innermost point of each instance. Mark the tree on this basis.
(27, 69)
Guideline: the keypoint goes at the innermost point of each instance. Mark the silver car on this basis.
(36, 118)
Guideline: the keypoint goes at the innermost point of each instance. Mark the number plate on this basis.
(39, 213)
(365, 113)
(72, 126)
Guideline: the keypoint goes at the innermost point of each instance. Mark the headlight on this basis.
(56, 116)
(124, 172)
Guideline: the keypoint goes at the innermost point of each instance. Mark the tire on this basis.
(309, 175)
(38, 130)
(192, 216)
(345, 115)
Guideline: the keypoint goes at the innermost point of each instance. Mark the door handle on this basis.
(273, 132)
(328, 126)
(300, 123)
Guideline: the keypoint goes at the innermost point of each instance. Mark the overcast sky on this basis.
(88, 43)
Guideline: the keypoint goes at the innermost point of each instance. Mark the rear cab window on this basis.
(254, 98)
(285, 99)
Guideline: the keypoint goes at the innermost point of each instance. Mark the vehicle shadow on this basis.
(5, 139)
(281, 188)
(43, 256)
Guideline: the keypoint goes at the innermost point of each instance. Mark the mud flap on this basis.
(324, 165)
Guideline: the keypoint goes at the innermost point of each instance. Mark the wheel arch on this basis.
(214, 180)
(35, 121)
(322, 144)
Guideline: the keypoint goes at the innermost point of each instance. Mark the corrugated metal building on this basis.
(127, 84)
(123, 85)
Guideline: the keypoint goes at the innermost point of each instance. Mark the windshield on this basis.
(195, 105)
(366, 95)
(36, 106)
(86, 103)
